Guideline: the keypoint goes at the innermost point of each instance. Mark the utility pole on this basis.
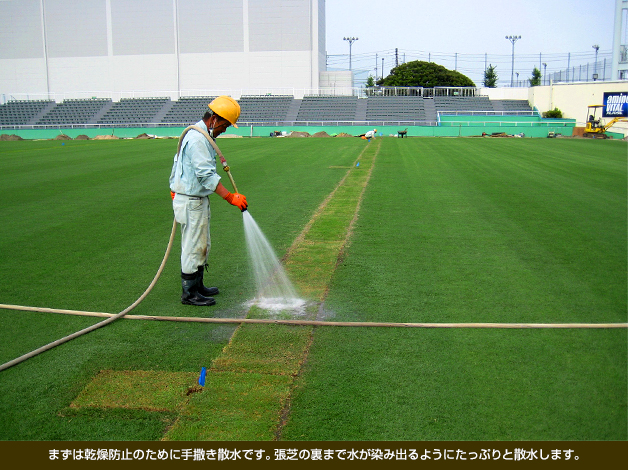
(513, 40)
(351, 40)
(396, 57)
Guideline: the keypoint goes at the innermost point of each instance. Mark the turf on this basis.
(512, 230)
(477, 231)
(85, 226)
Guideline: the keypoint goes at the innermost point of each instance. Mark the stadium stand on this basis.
(265, 108)
(187, 110)
(21, 112)
(422, 110)
(395, 108)
(463, 103)
(511, 105)
(135, 111)
(74, 112)
(328, 108)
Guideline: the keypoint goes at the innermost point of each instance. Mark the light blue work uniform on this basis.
(192, 179)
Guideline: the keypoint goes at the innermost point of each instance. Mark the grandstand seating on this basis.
(264, 108)
(187, 110)
(328, 108)
(134, 111)
(74, 111)
(20, 112)
(463, 103)
(395, 108)
(511, 105)
(254, 109)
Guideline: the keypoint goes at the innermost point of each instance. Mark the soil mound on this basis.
(321, 134)
(299, 134)
(12, 137)
(106, 137)
(81, 137)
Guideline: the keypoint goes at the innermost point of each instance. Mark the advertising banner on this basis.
(615, 104)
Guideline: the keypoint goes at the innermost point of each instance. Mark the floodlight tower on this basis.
(597, 48)
(351, 40)
(513, 40)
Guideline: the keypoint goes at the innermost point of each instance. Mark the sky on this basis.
(560, 33)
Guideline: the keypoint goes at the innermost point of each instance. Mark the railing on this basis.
(297, 93)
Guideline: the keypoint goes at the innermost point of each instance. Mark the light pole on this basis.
(544, 71)
(513, 39)
(351, 41)
(596, 47)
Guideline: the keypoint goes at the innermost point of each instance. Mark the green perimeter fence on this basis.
(449, 126)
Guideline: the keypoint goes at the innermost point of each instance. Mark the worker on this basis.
(192, 180)
(370, 134)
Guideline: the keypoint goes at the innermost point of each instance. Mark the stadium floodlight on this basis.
(597, 48)
(351, 41)
(513, 40)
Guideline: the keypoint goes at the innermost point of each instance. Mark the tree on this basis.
(424, 74)
(536, 77)
(490, 77)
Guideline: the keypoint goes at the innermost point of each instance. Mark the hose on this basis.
(115, 317)
(97, 325)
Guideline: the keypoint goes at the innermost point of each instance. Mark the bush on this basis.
(553, 113)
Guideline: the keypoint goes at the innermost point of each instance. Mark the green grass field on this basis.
(449, 230)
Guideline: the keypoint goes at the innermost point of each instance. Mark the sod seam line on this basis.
(319, 210)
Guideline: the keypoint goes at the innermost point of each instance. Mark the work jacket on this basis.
(194, 168)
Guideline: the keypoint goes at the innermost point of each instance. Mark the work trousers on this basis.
(193, 214)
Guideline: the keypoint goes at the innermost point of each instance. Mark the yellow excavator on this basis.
(594, 127)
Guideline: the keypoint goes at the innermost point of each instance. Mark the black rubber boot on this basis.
(206, 291)
(190, 294)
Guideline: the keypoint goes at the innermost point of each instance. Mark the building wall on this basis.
(574, 98)
(66, 49)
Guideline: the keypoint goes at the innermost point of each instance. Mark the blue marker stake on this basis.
(357, 164)
(201, 379)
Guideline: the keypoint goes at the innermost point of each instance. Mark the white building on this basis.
(118, 48)
(620, 51)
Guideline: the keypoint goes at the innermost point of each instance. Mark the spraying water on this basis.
(274, 289)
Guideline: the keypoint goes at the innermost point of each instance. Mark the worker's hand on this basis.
(172, 195)
(238, 200)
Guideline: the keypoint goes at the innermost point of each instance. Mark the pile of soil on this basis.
(578, 132)
(299, 134)
(344, 134)
(106, 137)
(143, 136)
(63, 137)
(81, 137)
(12, 137)
(321, 134)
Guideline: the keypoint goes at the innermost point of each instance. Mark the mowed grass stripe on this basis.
(277, 350)
(470, 230)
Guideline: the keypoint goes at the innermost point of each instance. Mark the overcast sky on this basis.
(436, 31)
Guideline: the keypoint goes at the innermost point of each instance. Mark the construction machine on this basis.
(594, 127)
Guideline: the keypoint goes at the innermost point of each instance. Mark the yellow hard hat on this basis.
(226, 107)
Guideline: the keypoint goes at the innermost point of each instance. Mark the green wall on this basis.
(451, 126)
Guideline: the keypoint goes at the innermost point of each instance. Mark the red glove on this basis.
(238, 200)
(172, 195)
